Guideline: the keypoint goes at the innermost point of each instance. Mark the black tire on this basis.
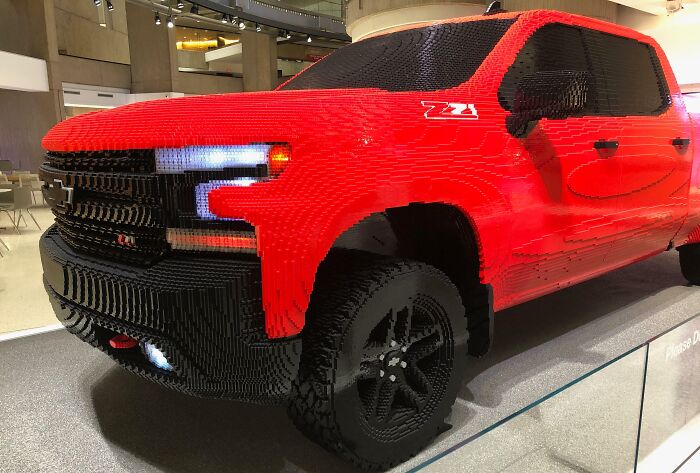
(378, 412)
(690, 262)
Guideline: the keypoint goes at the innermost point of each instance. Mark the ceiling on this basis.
(656, 7)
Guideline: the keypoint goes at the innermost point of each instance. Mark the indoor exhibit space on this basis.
(350, 235)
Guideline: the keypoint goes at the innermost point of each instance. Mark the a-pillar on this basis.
(259, 61)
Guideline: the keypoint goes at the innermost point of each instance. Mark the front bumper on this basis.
(205, 314)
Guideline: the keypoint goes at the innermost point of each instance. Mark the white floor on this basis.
(23, 301)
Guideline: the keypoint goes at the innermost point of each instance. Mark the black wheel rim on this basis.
(405, 367)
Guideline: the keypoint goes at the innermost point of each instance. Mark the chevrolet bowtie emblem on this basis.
(58, 195)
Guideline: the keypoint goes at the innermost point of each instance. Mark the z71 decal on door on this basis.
(450, 111)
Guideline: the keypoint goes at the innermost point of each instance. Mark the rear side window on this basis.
(633, 79)
(432, 58)
(626, 75)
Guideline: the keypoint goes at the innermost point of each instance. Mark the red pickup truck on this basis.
(342, 243)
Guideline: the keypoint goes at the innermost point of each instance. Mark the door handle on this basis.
(606, 144)
(681, 142)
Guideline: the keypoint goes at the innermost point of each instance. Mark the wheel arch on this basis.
(439, 234)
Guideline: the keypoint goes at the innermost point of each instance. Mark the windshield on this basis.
(431, 58)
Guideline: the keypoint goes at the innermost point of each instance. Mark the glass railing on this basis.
(637, 413)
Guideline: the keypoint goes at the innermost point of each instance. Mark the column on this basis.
(259, 61)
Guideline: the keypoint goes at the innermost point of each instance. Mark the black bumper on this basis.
(204, 314)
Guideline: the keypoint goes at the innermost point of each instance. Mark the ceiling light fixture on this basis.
(288, 35)
(110, 7)
(157, 19)
(224, 18)
(180, 4)
(242, 25)
(258, 28)
(170, 22)
(194, 9)
(97, 2)
(309, 39)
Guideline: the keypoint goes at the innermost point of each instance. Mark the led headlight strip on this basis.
(202, 195)
(212, 240)
(194, 158)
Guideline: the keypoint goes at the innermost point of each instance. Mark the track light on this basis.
(180, 4)
(258, 28)
(170, 22)
(110, 7)
(97, 2)
(157, 19)
(288, 35)
(242, 25)
(309, 39)
(224, 18)
(194, 9)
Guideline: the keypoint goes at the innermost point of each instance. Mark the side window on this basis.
(631, 73)
(553, 47)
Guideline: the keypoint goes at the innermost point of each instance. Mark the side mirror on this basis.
(553, 94)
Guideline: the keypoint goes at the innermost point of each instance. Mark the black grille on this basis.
(119, 207)
(117, 203)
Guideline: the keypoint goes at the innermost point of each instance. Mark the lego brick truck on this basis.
(341, 244)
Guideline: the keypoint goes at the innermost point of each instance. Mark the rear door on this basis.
(654, 173)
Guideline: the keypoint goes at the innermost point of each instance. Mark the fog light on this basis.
(156, 356)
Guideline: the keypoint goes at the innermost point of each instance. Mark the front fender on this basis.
(292, 246)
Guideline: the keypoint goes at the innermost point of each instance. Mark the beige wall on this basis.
(601, 9)
(77, 70)
(27, 27)
(368, 18)
(80, 34)
(189, 83)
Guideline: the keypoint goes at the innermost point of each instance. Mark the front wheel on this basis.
(690, 262)
(383, 355)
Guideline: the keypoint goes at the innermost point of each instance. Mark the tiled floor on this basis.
(23, 302)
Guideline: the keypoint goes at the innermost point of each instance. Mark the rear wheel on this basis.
(690, 262)
(383, 354)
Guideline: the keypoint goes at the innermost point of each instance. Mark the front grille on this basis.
(117, 203)
(119, 208)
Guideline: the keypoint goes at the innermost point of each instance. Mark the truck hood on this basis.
(229, 119)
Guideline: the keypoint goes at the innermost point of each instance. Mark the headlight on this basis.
(275, 156)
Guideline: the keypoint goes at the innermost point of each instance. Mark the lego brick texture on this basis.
(204, 314)
(548, 209)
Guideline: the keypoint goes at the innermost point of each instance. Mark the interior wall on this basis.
(27, 27)
(78, 70)
(678, 35)
(79, 32)
(601, 9)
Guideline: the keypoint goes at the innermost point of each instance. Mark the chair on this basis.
(21, 199)
(33, 182)
(6, 247)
